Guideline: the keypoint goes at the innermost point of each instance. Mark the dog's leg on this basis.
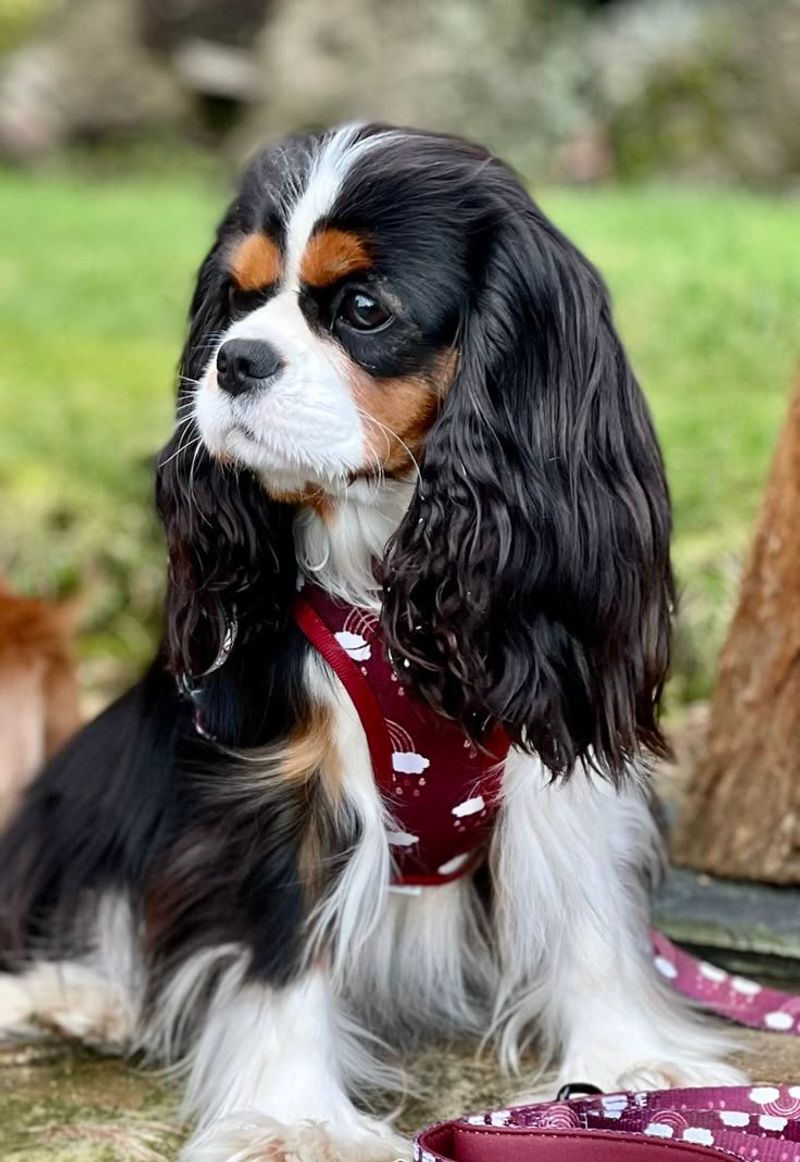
(67, 999)
(94, 999)
(571, 864)
(268, 1078)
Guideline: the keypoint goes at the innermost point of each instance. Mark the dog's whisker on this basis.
(192, 498)
(389, 433)
(179, 450)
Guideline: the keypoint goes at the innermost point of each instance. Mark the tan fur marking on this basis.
(310, 749)
(255, 263)
(303, 769)
(312, 496)
(397, 413)
(311, 757)
(330, 255)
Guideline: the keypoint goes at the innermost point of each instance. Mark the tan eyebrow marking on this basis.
(255, 262)
(332, 254)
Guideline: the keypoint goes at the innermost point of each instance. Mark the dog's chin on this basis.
(282, 468)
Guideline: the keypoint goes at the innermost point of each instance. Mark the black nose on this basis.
(243, 364)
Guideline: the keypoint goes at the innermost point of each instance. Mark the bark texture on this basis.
(742, 816)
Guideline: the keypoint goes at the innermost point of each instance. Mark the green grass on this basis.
(94, 283)
(95, 279)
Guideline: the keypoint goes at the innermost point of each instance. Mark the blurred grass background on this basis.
(95, 280)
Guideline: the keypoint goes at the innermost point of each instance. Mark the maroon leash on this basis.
(736, 998)
(758, 1123)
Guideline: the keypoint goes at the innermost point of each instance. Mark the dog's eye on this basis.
(362, 311)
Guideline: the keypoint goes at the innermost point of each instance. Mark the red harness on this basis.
(441, 791)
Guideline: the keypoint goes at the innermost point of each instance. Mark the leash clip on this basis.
(577, 1089)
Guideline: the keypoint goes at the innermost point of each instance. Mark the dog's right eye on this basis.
(241, 302)
(362, 311)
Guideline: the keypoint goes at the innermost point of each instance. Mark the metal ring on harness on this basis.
(189, 685)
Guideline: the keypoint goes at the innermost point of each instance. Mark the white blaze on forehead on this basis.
(338, 154)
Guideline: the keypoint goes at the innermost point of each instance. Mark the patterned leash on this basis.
(758, 1123)
(734, 997)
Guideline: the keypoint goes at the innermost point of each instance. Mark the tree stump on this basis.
(742, 816)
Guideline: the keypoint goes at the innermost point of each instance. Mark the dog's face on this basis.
(382, 303)
(342, 274)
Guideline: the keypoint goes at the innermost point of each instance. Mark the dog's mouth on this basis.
(240, 429)
(285, 471)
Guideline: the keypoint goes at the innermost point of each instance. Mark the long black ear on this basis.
(530, 583)
(230, 546)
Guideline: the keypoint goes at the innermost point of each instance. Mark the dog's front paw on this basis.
(257, 1138)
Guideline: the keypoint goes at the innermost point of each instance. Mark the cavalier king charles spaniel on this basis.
(387, 775)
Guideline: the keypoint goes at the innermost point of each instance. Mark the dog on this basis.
(387, 776)
(39, 696)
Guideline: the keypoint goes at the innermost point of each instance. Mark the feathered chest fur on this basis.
(441, 791)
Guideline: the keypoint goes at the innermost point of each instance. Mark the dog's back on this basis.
(39, 704)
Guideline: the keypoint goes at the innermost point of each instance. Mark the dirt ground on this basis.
(65, 1105)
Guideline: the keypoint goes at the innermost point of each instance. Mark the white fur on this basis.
(428, 969)
(569, 863)
(305, 427)
(339, 153)
(340, 551)
(269, 1056)
(165, 1031)
(347, 918)
(95, 999)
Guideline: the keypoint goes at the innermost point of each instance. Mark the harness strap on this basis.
(356, 685)
(369, 711)
(753, 1123)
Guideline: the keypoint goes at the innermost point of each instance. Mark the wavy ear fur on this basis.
(230, 546)
(530, 583)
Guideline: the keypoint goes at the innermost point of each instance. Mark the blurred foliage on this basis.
(628, 89)
(19, 19)
(715, 91)
(95, 282)
(566, 89)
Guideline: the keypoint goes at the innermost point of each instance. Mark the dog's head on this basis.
(383, 304)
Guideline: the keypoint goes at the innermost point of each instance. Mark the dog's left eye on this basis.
(362, 311)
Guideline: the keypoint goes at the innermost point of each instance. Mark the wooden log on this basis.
(742, 815)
